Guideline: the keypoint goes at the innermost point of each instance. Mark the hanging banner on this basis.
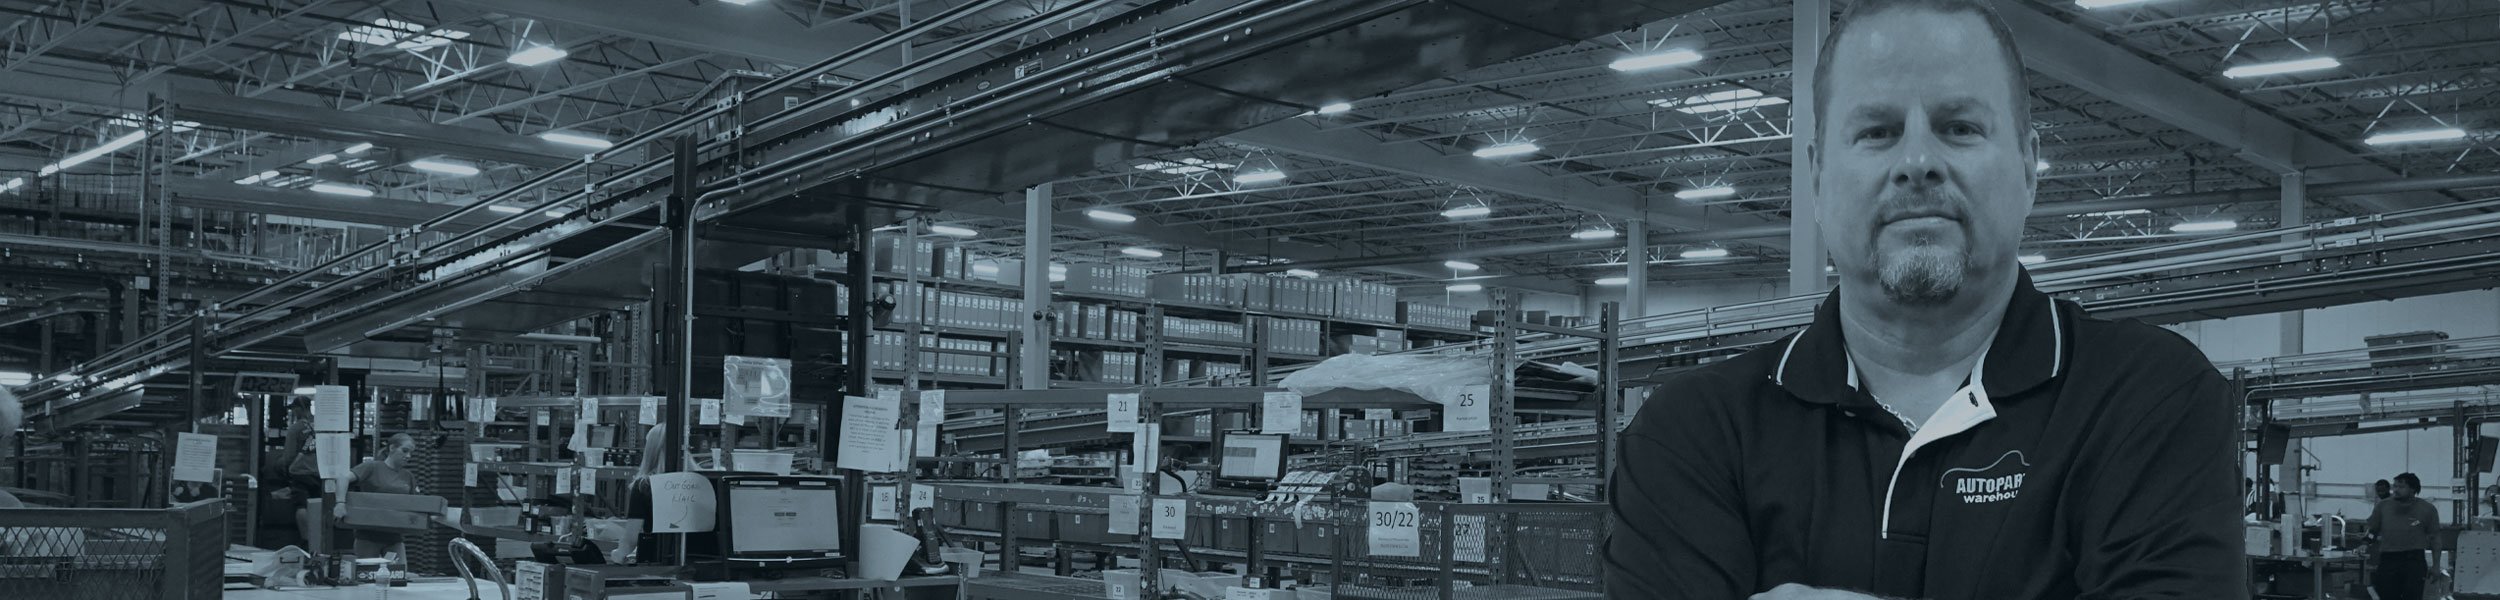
(1471, 410)
(1395, 529)
(1171, 520)
(1121, 413)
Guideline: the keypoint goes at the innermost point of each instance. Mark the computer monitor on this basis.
(1246, 455)
(777, 521)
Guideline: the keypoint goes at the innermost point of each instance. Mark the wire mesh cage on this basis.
(111, 554)
(1465, 551)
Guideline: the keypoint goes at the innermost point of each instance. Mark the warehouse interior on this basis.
(1271, 299)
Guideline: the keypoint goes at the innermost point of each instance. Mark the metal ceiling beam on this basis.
(376, 211)
(754, 32)
(316, 122)
(2084, 59)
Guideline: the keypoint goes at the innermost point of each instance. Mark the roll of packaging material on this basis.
(884, 551)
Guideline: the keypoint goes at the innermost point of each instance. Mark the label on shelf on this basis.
(1123, 514)
(650, 413)
(564, 482)
(932, 413)
(710, 414)
(590, 481)
(330, 412)
(468, 475)
(1467, 539)
(1470, 410)
(1171, 518)
(881, 503)
(1123, 413)
(1475, 490)
(923, 496)
(1280, 412)
(1395, 529)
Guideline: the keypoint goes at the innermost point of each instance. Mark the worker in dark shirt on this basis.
(11, 413)
(1941, 430)
(2404, 525)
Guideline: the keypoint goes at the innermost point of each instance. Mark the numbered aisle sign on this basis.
(923, 496)
(1123, 413)
(1123, 514)
(881, 503)
(1280, 412)
(1394, 530)
(1467, 538)
(650, 413)
(1172, 518)
(710, 413)
(1471, 410)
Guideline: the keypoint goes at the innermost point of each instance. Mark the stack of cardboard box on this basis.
(1203, 330)
(1293, 336)
(1438, 316)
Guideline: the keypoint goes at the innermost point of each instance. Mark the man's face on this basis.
(2403, 491)
(1926, 174)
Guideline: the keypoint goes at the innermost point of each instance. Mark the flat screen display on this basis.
(1252, 456)
(784, 519)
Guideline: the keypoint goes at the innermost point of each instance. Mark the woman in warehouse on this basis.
(386, 474)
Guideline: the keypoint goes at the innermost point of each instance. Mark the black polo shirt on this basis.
(2100, 462)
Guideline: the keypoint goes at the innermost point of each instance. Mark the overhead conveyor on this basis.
(1107, 81)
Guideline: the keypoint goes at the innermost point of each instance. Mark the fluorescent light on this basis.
(1302, 273)
(738, 2)
(1466, 288)
(2119, 213)
(575, 139)
(1105, 214)
(443, 166)
(2279, 68)
(1602, 233)
(509, 210)
(2205, 226)
(2104, 3)
(1185, 166)
(1259, 177)
(537, 55)
(109, 147)
(1507, 149)
(2042, 166)
(2426, 135)
(341, 189)
(1716, 102)
(553, 214)
(359, 148)
(1335, 108)
(401, 34)
(13, 184)
(1652, 61)
(1705, 193)
(951, 230)
(1699, 253)
(307, 391)
(1614, 281)
(2033, 259)
(322, 159)
(16, 378)
(1471, 210)
(1460, 265)
(1142, 252)
(985, 270)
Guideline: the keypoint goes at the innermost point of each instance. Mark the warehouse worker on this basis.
(386, 474)
(11, 413)
(1941, 430)
(2404, 525)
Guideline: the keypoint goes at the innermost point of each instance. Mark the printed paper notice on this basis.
(590, 481)
(1123, 514)
(1122, 415)
(710, 415)
(869, 442)
(650, 414)
(330, 452)
(1171, 518)
(1471, 410)
(1394, 530)
(1144, 446)
(468, 475)
(564, 482)
(1280, 412)
(330, 408)
(682, 503)
(881, 503)
(1467, 539)
(932, 413)
(195, 457)
(1475, 490)
(923, 496)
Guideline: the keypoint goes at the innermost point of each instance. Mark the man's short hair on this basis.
(2410, 481)
(1984, 9)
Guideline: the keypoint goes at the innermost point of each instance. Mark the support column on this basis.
(1034, 369)
(1805, 242)
(2295, 323)
(2295, 503)
(673, 362)
(1636, 269)
(859, 326)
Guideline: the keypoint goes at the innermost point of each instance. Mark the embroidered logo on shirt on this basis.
(1998, 482)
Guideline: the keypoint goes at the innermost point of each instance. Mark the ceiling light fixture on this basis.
(321, 160)
(341, 189)
(1507, 149)
(1701, 253)
(1651, 61)
(1601, 233)
(1259, 177)
(1460, 265)
(1302, 273)
(1614, 281)
(359, 148)
(2407, 137)
(2040, 166)
(1465, 288)
(2278, 68)
(1705, 193)
(739, 2)
(2089, 4)
(1105, 214)
(109, 147)
(1719, 102)
(537, 55)
(2118, 213)
(576, 139)
(1471, 210)
(1335, 108)
(443, 166)
(401, 34)
(2033, 259)
(1142, 252)
(553, 214)
(509, 210)
(2205, 226)
(953, 231)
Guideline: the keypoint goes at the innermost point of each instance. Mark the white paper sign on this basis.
(650, 414)
(1121, 415)
(1467, 539)
(1280, 412)
(881, 503)
(682, 503)
(581, 424)
(542, 417)
(491, 405)
(868, 438)
(195, 457)
(1380, 414)
(468, 475)
(1144, 447)
(590, 481)
(932, 413)
(1171, 518)
(1471, 410)
(330, 452)
(1475, 490)
(1117, 589)
(1123, 514)
(923, 496)
(1395, 529)
(710, 413)
(330, 408)
(564, 481)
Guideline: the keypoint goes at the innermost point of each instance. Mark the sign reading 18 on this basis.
(1387, 518)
